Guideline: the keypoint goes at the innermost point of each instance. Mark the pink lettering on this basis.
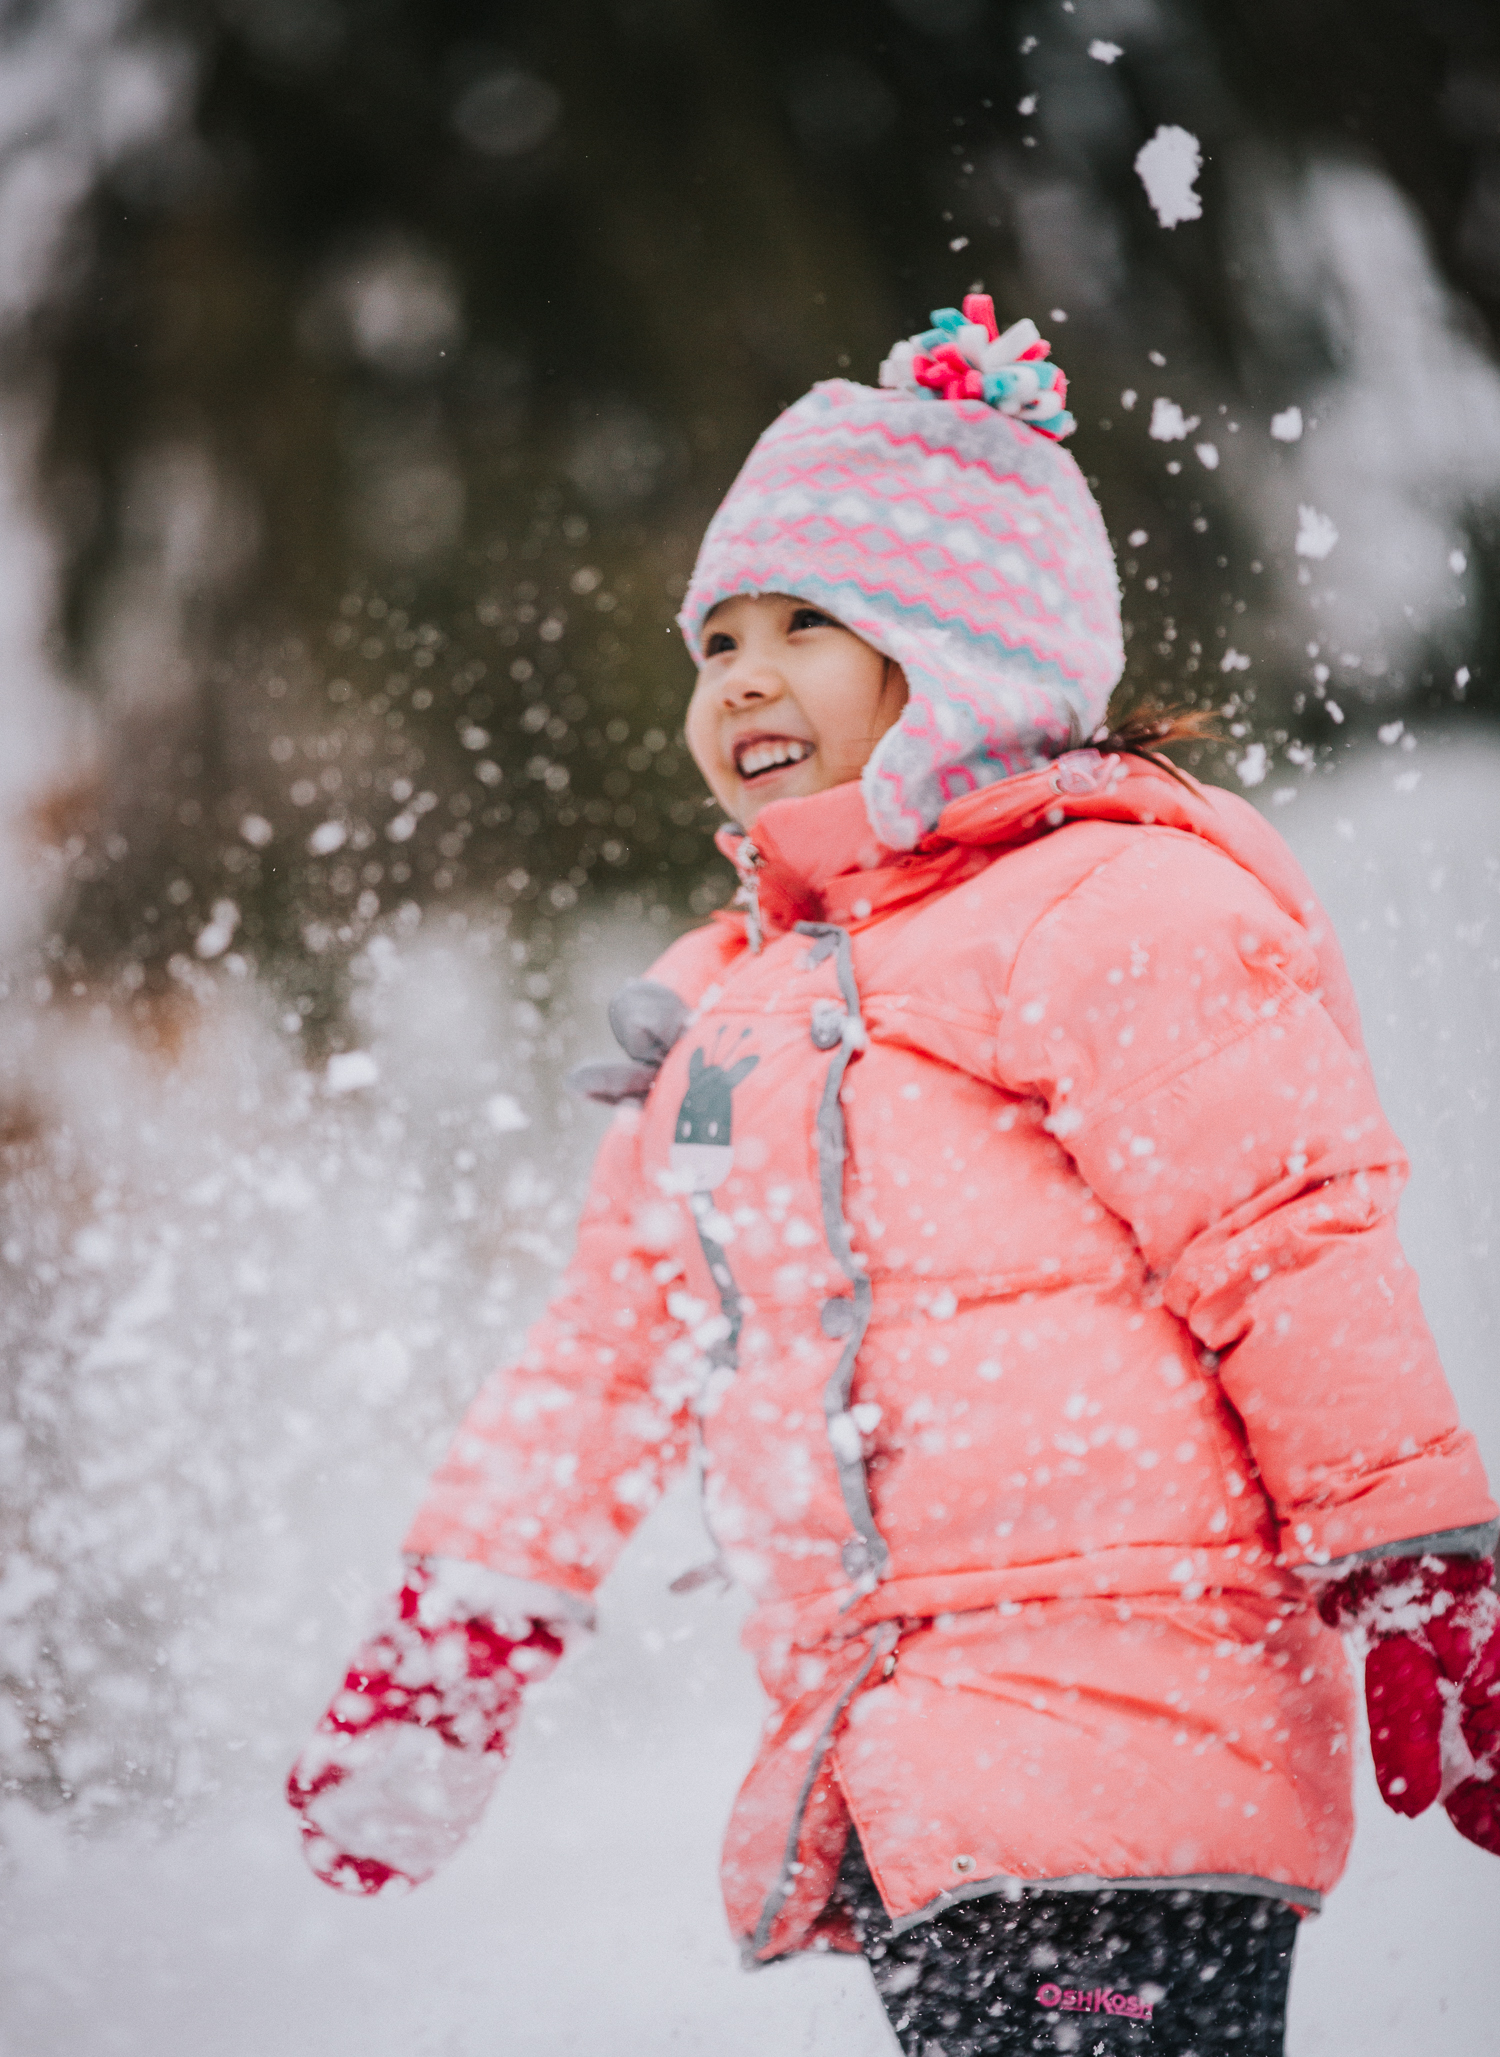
(1101, 2000)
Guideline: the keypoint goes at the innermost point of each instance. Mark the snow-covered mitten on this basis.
(402, 1763)
(1430, 1629)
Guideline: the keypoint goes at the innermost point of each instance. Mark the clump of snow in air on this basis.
(328, 837)
(217, 933)
(1136, 538)
(1286, 427)
(1457, 562)
(504, 1114)
(1105, 53)
(1252, 765)
(1128, 398)
(350, 1071)
(1168, 422)
(1316, 534)
(1234, 660)
(1168, 167)
(1207, 455)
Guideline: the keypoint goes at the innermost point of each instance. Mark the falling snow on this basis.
(1168, 422)
(1316, 534)
(1168, 167)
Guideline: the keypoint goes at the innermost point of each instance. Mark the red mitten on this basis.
(400, 1767)
(1430, 1627)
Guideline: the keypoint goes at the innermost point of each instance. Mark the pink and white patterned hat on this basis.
(938, 518)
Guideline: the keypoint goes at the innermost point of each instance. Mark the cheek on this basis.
(894, 696)
(853, 712)
(701, 731)
(702, 734)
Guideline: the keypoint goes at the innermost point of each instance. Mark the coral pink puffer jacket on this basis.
(1014, 1231)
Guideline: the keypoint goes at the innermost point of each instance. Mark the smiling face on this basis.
(788, 702)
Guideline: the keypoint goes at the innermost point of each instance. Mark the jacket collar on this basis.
(817, 858)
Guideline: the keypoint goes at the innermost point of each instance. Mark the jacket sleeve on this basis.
(562, 1453)
(1167, 1010)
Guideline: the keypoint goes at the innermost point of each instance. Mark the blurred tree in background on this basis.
(398, 360)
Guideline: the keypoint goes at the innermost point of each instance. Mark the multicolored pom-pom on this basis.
(963, 356)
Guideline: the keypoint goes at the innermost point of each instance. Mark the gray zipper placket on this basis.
(724, 1355)
(866, 1555)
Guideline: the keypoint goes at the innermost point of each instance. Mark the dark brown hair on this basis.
(1147, 728)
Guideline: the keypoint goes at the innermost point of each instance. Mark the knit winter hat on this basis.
(939, 519)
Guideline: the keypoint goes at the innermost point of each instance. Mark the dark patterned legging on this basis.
(1075, 1971)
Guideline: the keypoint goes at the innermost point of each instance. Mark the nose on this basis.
(749, 681)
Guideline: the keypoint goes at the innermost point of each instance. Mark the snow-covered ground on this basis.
(253, 1306)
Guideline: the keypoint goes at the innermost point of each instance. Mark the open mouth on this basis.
(757, 755)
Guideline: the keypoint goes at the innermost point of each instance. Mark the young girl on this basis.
(999, 1204)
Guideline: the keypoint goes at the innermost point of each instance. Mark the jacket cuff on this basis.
(1480, 1539)
(460, 1588)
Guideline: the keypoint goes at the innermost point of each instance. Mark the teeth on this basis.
(768, 755)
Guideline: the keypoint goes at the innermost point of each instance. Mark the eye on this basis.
(718, 644)
(810, 618)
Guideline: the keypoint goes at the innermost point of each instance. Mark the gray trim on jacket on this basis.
(1479, 1540)
(1089, 1882)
